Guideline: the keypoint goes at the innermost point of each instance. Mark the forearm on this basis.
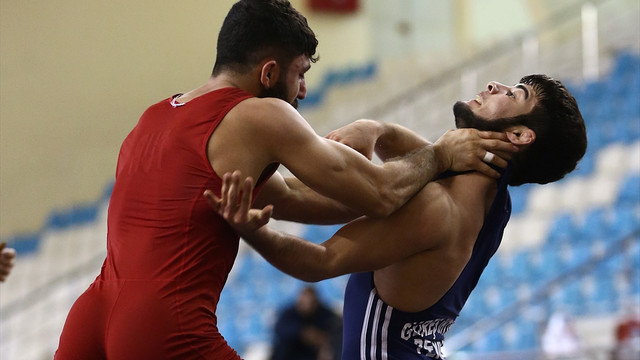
(309, 207)
(409, 174)
(294, 256)
(295, 201)
(391, 142)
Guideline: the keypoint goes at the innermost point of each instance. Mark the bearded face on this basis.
(279, 90)
(465, 118)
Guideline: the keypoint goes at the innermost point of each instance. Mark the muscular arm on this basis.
(294, 201)
(362, 245)
(388, 140)
(336, 171)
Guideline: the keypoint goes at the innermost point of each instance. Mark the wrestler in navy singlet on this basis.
(373, 330)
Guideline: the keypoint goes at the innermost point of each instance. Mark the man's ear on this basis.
(269, 73)
(521, 135)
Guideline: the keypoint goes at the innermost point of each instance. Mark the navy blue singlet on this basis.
(373, 330)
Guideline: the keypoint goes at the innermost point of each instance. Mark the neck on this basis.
(476, 188)
(223, 80)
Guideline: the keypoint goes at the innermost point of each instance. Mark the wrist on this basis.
(441, 159)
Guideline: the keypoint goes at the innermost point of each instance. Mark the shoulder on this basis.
(270, 115)
(265, 108)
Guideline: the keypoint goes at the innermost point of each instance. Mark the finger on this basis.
(265, 215)
(493, 135)
(2, 245)
(499, 161)
(245, 201)
(212, 199)
(226, 179)
(498, 145)
(487, 170)
(232, 193)
(9, 254)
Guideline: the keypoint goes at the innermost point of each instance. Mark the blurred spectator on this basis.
(307, 330)
(559, 340)
(628, 334)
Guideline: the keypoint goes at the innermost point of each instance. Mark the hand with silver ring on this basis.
(488, 157)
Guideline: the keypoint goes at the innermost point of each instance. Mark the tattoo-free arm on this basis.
(294, 201)
(337, 171)
(362, 245)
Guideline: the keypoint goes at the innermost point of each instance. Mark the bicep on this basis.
(332, 169)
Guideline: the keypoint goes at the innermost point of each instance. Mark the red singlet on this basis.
(168, 253)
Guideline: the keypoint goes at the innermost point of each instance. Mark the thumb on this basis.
(265, 215)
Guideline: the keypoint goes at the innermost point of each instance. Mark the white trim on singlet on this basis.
(175, 102)
(371, 348)
(385, 331)
(363, 335)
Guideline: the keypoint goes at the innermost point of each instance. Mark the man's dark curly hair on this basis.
(561, 138)
(255, 29)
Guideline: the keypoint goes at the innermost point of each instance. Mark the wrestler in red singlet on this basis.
(168, 252)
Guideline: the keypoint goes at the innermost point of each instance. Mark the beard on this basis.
(279, 90)
(465, 118)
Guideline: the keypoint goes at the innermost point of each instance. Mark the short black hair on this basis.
(255, 29)
(561, 138)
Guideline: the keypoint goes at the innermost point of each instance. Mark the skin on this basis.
(341, 184)
(427, 241)
(7, 261)
(488, 106)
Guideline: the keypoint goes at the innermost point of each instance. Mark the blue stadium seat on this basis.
(572, 297)
(594, 225)
(494, 272)
(586, 165)
(624, 221)
(521, 267)
(519, 196)
(629, 193)
(25, 244)
(563, 229)
(493, 341)
(528, 335)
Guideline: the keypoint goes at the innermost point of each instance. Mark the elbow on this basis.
(326, 268)
(312, 278)
(314, 275)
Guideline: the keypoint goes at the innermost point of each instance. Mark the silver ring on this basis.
(488, 157)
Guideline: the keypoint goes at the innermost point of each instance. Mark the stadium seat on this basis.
(629, 193)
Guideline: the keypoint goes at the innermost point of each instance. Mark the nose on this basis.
(492, 86)
(302, 91)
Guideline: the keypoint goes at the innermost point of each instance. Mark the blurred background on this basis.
(75, 77)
